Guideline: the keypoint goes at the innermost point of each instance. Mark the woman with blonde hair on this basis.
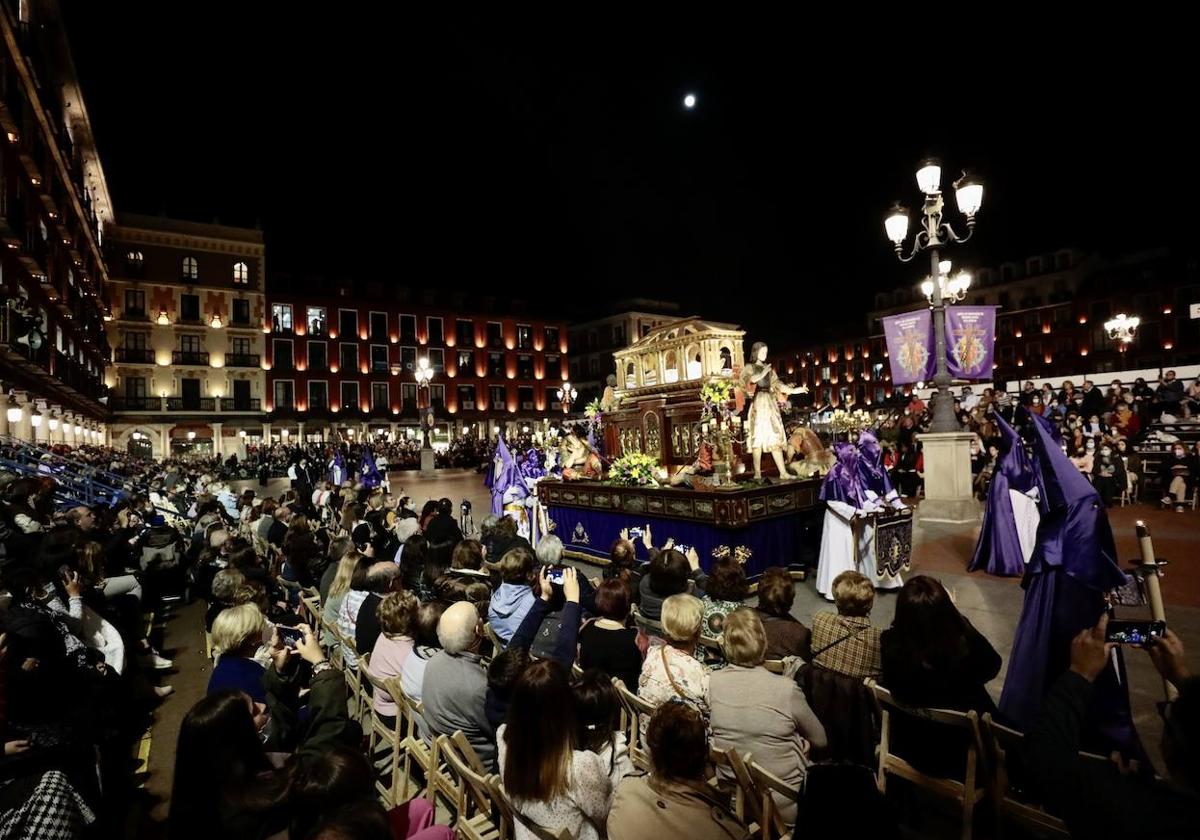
(755, 711)
(237, 634)
(337, 593)
(671, 671)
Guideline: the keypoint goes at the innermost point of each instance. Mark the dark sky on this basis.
(551, 156)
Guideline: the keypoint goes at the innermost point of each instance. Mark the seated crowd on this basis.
(623, 706)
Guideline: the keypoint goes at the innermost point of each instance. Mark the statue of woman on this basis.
(764, 425)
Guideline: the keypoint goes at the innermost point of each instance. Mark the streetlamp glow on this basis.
(968, 193)
(929, 176)
(1122, 328)
(566, 396)
(896, 224)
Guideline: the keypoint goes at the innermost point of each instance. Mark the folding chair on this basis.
(967, 793)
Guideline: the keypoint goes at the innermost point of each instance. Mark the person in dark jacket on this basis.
(1093, 400)
(933, 658)
(225, 785)
(508, 664)
(1104, 799)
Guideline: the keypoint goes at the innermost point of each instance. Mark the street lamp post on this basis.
(424, 374)
(934, 234)
(566, 396)
(949, 495)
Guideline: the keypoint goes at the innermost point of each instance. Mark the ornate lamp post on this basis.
(934, 234)
(424, 375)
(948, 487)
(566, 396)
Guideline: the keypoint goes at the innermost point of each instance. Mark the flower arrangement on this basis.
(716, 391)
(633, 470)
(592, 410)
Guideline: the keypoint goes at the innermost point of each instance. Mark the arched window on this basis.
(241, 273)
(190, 270)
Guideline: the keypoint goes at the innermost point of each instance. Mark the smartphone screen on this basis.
(290, 636)
(555, 574)
(1140, 632)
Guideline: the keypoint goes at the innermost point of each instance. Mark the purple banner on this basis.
(970, 339)
(910, 346)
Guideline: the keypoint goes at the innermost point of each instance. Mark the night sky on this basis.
(551, 157)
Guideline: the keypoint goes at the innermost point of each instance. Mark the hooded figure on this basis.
(504, 475)
(1072, 568)
(337, 469)
(1012, 512)
(369, 471)
(880, 493)
(870, 470)
(845, 498)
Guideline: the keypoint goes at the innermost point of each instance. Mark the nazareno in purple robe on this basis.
(1072, 568)
(843, 482)
(505, 473)
(999, 551)
(870, 466)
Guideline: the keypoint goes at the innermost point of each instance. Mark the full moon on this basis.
(689, 101)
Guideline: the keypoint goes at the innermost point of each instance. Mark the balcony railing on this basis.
(128, 403)
(191, 404)
(234, 404)
(189, 357)
(135, 355)
(130, 314)
(226, 405)
(250, 360)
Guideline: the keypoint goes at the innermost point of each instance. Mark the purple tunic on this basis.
(998, 551)
(1072, 568)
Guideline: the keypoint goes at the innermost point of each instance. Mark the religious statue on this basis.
(609, 400)
(578, 459)
(805, 455)
(764, 424)
(702, 466)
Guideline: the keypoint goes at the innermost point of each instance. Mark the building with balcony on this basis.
(188, 310)
(343, 363)
(1051, 310)
(54, 212)
(594, 341)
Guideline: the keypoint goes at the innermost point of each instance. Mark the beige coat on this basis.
(646, 806)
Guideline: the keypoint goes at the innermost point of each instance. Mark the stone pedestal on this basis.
(949, 495)
(427, 463)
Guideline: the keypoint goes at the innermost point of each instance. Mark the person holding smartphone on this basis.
(1118, 799)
